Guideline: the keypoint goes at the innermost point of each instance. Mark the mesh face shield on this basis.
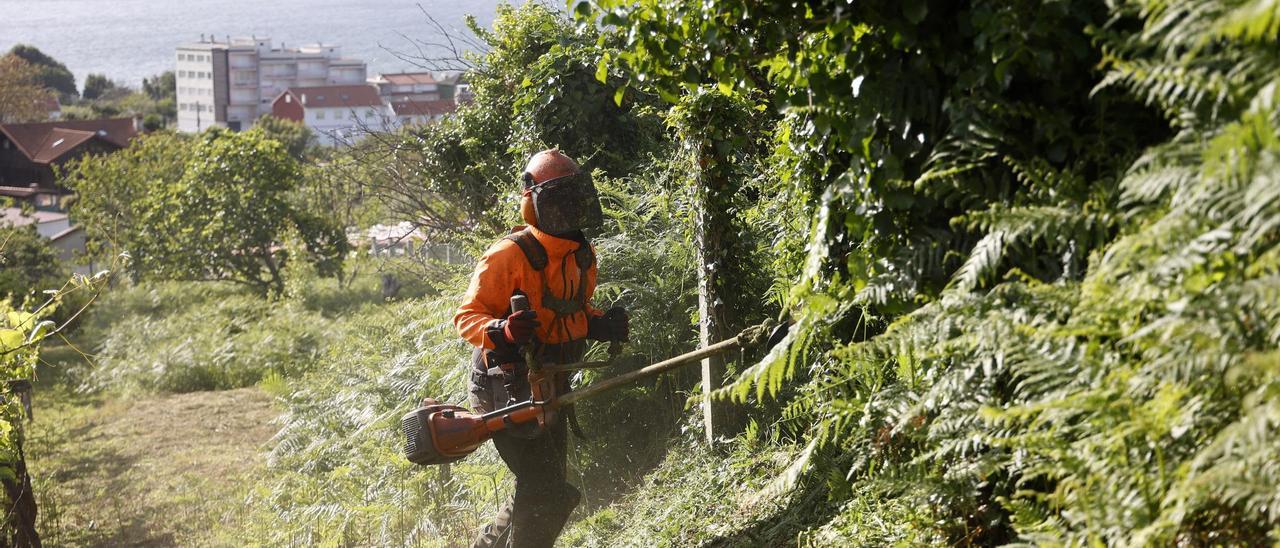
(566, 204)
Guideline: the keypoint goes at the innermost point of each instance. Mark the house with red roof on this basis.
(408, 86)
(337, 114)
(29, 153)
(410, 113)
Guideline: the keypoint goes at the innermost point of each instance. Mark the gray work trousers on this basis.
(543, 500)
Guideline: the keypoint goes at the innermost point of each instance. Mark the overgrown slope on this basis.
(1029, 249)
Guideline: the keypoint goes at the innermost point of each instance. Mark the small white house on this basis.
(337, 114)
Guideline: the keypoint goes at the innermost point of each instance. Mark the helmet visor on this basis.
(567, 203)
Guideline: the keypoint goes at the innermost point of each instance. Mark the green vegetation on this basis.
(22, 97)
(1029, 250)
(52, 74)
(97, 86)
(213, 208)
(297, 139)
(174, 337)
(156, 103)
(28, 76)
(27, 264)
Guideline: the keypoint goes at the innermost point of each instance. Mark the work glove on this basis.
(515, 329)
(614, 325)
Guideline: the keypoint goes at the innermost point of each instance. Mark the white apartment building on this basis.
(230, 84)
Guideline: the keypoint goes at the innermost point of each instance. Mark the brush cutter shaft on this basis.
(649, 371)
(440, 433)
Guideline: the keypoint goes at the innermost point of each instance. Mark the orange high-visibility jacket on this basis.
(503, 269)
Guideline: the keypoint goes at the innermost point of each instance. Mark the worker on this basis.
(551, 262)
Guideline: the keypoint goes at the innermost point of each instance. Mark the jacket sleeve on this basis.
(592, 271)
(489, 293)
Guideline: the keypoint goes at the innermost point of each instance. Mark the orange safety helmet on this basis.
(558, 198)
(542, 167)
(547, 165)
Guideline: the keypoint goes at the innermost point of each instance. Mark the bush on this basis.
(27, 264)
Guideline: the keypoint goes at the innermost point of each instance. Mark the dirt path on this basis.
(155, 471)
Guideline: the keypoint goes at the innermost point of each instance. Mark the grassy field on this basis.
(159, 470)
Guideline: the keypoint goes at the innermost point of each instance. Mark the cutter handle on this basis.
(519, 302)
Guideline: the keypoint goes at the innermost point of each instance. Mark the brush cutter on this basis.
(440, 433)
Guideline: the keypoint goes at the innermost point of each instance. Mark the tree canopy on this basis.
(97, 86)
(161, 86)
(213, 207)
(296, 137)
(52, 73)
(22, 98)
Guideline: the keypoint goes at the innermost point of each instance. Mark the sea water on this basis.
(128, 40)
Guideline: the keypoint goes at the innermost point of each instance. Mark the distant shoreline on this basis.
(128, 40)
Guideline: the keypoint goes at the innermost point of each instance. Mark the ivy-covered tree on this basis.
(213, 207)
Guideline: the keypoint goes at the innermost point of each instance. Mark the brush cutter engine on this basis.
(438, 433)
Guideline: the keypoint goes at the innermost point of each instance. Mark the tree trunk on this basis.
(276, 283)
(20, 517)
(713, 224)
(716, 415)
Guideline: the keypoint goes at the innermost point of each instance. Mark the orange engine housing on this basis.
(440, 433)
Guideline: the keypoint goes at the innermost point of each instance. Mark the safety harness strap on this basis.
(531, 247)
(536, 254)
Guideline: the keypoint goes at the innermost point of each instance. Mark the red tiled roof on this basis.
(424, 108)
(59, 142)
(335, 96)
(47, 141)
(410, 78)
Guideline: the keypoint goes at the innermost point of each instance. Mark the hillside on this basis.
(1028, 253)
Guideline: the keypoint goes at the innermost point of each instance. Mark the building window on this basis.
(319, 114)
